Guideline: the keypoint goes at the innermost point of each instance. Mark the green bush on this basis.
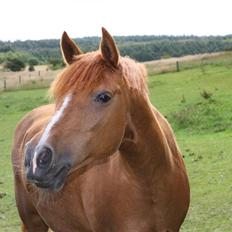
(14, 64)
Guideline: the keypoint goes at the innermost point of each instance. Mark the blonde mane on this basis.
(135, 75)
(86, 72)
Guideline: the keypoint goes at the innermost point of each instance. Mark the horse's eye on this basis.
(103, 98)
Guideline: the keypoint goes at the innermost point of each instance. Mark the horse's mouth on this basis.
(55, 182)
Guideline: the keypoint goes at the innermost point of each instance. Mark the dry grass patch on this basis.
(41, 77)
(190, 61)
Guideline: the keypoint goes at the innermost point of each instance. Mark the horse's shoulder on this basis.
(167, 131)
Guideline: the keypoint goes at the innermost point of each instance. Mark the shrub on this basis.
(206, 95)
(31, 68)
(56, 64)
(201, 117)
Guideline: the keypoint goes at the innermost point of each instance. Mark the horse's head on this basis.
(89, 121)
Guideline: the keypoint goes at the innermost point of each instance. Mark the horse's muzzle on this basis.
(43, 170)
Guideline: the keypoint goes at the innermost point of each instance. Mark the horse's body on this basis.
(139, 185)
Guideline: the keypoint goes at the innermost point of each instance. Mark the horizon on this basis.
(22, 20)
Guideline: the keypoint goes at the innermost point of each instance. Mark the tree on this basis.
(33, 62)
(6, 48)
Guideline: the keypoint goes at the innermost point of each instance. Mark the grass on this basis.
(191, 107)
(208, 159)
(198, 105)
(197, 102)
(13, 105)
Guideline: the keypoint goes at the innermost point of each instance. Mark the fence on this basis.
(186, 62)
(26, 79)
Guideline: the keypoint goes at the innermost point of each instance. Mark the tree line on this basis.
(141, 48)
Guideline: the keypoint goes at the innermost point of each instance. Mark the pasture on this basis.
(197, 102)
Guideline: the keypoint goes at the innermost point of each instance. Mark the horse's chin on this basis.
(56, 182)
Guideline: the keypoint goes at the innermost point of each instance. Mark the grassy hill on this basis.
(197, 102)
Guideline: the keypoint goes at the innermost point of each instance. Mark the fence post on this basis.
(19, 79)
(39, 73)
(177, 66)
(4, 85)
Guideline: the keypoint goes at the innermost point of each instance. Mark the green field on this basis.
(198, 103)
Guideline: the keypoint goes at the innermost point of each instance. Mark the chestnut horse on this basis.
(101, 158)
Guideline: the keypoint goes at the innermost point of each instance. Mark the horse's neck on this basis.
(146, 149)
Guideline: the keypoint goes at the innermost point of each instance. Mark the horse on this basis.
(102, 157)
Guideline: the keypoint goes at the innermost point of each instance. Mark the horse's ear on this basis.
(109, 49)
(68, 48)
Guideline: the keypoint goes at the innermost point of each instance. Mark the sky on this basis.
(47, 19)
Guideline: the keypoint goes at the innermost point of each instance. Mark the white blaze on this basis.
(56, 117)
(34, 163)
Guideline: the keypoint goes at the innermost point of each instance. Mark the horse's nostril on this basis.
(44, 158)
